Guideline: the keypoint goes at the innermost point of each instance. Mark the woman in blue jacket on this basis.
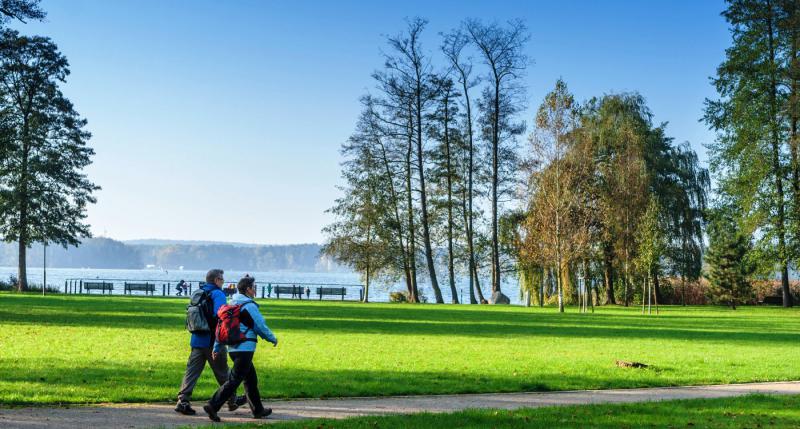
(242, 354)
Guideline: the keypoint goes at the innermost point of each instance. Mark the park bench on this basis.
(142, 287)
(295, 291)
(772, 300)
(331, 291)
(101, 286)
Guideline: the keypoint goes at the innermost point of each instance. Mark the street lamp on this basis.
(44, 267)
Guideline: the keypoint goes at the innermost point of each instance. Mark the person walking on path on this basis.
(308, 293)
(241, 349)
(201, 344)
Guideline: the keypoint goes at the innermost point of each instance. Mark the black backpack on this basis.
(200, 317)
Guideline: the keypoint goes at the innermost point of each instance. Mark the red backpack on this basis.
(229, 326)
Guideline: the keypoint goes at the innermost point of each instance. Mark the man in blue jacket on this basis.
(201, 344)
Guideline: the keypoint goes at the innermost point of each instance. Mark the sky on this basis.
(223, 120)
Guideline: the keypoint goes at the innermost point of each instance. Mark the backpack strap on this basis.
(249, 317)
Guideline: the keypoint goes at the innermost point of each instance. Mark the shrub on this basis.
(398, 296)
(10, 285)
(402, 296)
(764, 288)
(38, 289)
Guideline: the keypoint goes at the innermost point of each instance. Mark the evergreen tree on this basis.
(728, 257)
(749, 155)
(43, 190)
(357, 238)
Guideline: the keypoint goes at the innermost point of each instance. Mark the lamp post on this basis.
(44, 286)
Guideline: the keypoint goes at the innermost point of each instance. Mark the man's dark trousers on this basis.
(194, 367)
(243, 371)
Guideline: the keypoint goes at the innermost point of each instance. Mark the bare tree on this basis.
(453, 48)
(502, 51)
(414, 68)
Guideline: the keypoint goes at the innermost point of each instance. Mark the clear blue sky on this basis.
(223, 120)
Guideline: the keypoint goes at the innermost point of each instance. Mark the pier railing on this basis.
(168, 288)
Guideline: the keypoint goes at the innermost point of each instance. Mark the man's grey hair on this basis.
(213, 275)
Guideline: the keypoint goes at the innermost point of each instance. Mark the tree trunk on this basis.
(608, 273)
(369, 246)
(22, 270)
(495, 183)
(655, 281)
(685, 270)
(656, 287)
(470, 265)
(776, 165)
(412, 242)
(626, 282)
(450, 259)
(481, 298)
(559, 290)
(395, 205)
(541, 287)
(473, 269)
(644, 296)
(426, 235)
(683, 287)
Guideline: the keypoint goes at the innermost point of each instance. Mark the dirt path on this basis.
(162, 415)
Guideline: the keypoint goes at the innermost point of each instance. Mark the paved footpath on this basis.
(162, 415)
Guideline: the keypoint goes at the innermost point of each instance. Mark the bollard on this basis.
(80, 288)
(163, 290)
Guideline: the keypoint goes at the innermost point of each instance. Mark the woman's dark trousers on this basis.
(243, 371)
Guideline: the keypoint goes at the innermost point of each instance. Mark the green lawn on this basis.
(746, 412)
(67, 349)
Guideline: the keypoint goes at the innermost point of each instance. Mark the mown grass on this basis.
(70, 349)
(756, 411)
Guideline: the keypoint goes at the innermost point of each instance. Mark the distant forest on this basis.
(108, 253)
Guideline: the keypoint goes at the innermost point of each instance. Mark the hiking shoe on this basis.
(263, 414)
(237, 402)
(211, 413)
(185, 408)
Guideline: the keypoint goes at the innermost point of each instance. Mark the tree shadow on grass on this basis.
(488, 328)
(148, 313)
(26, 381)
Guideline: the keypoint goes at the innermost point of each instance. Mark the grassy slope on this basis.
(99, 349)
(776, 412)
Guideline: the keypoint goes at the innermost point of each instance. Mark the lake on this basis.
(378, 292)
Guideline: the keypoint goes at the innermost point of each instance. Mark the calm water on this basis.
(378, 292)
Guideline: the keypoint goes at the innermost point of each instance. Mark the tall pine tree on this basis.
(43, 190)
